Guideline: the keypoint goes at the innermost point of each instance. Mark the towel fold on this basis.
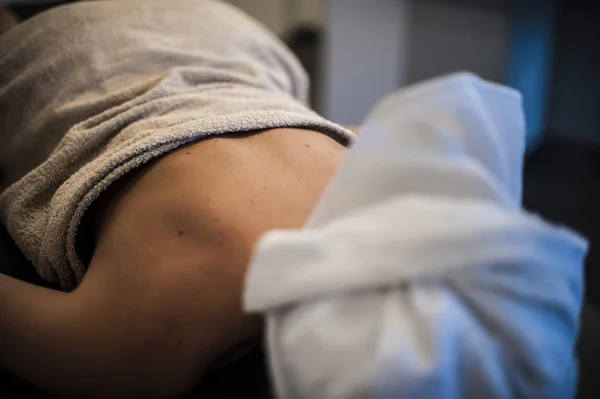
(91, 90)
(418, 274)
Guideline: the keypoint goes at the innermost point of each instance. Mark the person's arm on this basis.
(26, 313)
(153, 310)
(162, 296)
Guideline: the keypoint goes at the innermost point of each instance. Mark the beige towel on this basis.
(91, 90)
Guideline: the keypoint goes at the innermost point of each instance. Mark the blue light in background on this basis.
(530, 61)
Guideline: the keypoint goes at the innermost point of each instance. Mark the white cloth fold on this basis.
(418, 274)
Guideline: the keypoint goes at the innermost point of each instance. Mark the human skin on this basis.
(162, 297)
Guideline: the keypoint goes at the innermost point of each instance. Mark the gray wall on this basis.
(377, 46)
(364, 55)
(448, 36)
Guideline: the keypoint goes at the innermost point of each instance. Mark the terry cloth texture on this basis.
(91, 90)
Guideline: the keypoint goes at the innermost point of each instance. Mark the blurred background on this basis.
(357, 51)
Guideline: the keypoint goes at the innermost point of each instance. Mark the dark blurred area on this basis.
(562, 168)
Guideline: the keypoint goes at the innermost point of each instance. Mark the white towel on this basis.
(418, 274)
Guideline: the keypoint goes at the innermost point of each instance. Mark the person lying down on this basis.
(176, 139)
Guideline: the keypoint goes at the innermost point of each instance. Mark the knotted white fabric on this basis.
(418, 274)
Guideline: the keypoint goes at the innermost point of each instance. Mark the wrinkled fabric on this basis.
(91, 90)
(419, 275)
